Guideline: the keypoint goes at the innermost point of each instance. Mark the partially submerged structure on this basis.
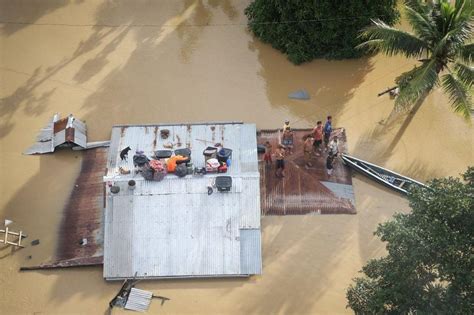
(173, 228)
(60, 132)
(305, 190)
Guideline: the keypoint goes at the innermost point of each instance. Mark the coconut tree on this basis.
(442, 41)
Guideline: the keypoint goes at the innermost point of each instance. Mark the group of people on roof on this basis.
(315, 144)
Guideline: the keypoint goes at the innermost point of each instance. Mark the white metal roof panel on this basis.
(175, 229)
(138, 300)
(250, 252)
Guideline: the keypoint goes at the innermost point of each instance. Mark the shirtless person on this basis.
(318, 137)
(280, 161)
(287, 139)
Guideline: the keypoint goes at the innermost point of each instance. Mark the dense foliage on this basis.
(308, 29)
(442, 40)
(430, 263)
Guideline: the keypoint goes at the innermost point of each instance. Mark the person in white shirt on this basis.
(334, 147)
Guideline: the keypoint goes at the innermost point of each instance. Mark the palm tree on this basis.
(442, 40)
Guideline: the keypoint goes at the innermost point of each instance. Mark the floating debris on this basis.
(299, 95)
(138, 300)
(12, 238)
(35, 242)
(134, 299)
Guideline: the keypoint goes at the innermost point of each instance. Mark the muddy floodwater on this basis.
(116, 62)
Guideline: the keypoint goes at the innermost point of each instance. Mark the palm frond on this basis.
(459, 95)
(416, 82)
(417, 5)
(459, 21)
(421, 24)
(465, 74)
(391, 41)
(466, 53)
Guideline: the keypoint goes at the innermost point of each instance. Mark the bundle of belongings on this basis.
(151, 169)
(162, 163)
(217, 160)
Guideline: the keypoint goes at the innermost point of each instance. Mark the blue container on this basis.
(224, 154)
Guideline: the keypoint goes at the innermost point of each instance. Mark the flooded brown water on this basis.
(112, 62)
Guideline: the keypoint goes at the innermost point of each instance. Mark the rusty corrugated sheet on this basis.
(302, 190)
(83, 211)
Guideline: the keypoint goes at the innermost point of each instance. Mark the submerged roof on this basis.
(173, 228)
(58, 132)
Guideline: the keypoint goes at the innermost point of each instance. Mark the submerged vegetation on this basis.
(441, 40)
(429, 266)
(308, 29)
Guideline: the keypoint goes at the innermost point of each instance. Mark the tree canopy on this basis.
(442, 40)
(429, 268)
(309, 29)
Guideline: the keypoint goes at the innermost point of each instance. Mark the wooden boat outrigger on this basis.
(389, 178)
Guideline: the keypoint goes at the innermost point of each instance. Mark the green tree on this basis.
(308, 29)
(441, 40)
(430, 263)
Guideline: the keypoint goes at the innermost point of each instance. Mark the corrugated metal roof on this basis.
(250, 252)
(341, 190)
(54, 134)
(173, 228)
(138, 300)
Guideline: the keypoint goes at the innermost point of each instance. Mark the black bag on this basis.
(140, 160)
(181, 170)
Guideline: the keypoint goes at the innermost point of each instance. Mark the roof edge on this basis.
(183, 124)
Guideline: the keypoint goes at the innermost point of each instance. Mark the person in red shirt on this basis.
(318, 137)
(267, 157)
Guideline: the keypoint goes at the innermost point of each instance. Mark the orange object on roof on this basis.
(172, 161)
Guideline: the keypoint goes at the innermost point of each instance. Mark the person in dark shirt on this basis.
(327, 131)
(329, 164)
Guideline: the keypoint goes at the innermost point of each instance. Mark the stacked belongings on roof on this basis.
(159, 169)
(177, 164)
(150, 169)
(140, 159)
(217, 160)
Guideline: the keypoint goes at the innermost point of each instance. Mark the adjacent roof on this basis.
(173, 228)
(57, 132)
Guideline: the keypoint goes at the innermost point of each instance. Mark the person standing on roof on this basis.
(318, 137)
(327, 131)
(286, 125)
(308, 150)
(280, 161)
(287, 140)
(334, 147)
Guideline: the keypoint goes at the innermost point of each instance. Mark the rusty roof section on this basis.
(302, 190)
(82, 217)
(83, 212)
